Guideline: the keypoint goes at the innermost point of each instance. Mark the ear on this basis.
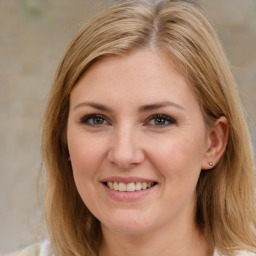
(216, 142)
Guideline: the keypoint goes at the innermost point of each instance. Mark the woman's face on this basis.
(137, 143)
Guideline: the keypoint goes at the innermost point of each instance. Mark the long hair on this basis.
(225, 195)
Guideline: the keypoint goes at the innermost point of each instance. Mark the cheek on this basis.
(179, 158)
(86, 155)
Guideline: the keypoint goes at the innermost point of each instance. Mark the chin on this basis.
(127, 229)
(128, 224)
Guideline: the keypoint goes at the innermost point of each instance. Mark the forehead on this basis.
(143, 76)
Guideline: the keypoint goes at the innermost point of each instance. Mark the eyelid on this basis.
(84, 119)
(170, 120)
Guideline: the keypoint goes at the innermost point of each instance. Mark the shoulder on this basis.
(245, 253)
(238, 253)
(38, 249)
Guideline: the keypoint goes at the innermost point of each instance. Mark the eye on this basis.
(161, 120)
(94, 120)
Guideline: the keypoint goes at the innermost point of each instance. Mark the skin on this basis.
(129, 141)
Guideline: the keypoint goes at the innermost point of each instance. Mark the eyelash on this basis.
(160, 118)
(87, 118)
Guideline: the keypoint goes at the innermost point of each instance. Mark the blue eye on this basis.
(94, 119)
(161, 120)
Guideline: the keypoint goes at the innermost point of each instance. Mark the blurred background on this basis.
(33, 37)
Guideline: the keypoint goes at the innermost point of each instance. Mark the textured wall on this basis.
(33, 37)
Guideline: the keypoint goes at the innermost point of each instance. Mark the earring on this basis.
(211, 163)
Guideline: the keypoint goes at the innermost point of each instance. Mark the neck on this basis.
(186, 240)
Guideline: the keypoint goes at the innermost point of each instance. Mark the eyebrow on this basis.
(143, 108)
(93, 105)
(158, 105)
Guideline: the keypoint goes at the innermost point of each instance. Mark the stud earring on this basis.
(211, 163)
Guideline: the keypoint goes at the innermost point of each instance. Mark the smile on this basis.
(129, 187)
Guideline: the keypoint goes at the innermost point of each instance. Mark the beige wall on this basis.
(33, 37)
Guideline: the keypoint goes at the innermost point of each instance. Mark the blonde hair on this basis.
(225, 195)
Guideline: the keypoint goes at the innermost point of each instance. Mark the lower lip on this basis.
(128, 196)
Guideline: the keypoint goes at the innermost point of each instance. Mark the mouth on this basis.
(129, 187)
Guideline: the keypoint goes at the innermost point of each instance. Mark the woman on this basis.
(145, 144)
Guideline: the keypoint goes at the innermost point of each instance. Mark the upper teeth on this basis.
(130, 187)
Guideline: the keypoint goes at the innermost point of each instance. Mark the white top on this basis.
(38, 249)
(44, 249)
(238, 253)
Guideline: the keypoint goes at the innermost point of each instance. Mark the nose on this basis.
(125, 151)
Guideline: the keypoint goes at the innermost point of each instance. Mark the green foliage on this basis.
(32, 8)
